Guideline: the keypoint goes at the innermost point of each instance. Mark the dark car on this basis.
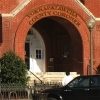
(80, 88)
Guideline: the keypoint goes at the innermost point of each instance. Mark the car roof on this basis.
(97, 75)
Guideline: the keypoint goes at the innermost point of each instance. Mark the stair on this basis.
(48, 76)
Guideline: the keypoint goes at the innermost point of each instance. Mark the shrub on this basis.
(13, 69)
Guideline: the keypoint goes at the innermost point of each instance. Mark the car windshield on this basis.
(79, 82)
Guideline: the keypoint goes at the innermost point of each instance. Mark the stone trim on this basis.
(86, 10)
(17, 9)
(25, 2)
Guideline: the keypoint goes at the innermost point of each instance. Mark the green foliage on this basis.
(13, 69)
(98, 69)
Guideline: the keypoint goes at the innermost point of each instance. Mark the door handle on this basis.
(86, 89)
(67, 90)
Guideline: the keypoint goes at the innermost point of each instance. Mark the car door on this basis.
(95, 88)
(78, 89)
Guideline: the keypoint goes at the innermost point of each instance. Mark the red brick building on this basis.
(51, 35)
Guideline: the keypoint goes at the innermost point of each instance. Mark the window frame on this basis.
(73, 83)
(41, 54)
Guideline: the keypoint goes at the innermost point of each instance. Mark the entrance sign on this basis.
(53, 10)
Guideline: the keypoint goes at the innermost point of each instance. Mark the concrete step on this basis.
(48, 76)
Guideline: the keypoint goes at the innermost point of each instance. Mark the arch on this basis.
(52, 10)
(31, 39)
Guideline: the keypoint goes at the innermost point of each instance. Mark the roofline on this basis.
(17, 9)
(25, 2)
(86, 10)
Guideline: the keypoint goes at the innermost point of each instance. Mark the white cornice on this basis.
(17, 9)
(97, 19)
(86, 10)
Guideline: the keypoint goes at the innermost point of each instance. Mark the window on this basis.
(80, 82)
(95, 81)
(38, 54)
(66, 49)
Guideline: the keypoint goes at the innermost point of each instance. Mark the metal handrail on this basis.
(37, 77)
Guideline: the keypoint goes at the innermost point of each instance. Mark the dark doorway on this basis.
(62, 53)
(27, 56)
(63, 43)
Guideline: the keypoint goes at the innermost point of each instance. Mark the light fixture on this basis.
(91, 25)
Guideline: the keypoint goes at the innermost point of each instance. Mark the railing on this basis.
(40, 96)
(47, 85)
(21, 92)
(15, 92)
(36, 76)
(38, 87)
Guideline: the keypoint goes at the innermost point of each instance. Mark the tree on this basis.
(13, 69)
(98, 69)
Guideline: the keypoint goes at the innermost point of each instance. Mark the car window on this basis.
(79, 82)
(95, 81)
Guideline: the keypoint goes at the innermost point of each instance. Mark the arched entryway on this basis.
(63, 44)
(63, 36)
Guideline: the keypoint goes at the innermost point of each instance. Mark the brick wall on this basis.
(93, 6)
(14, 30)
(6, 6)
